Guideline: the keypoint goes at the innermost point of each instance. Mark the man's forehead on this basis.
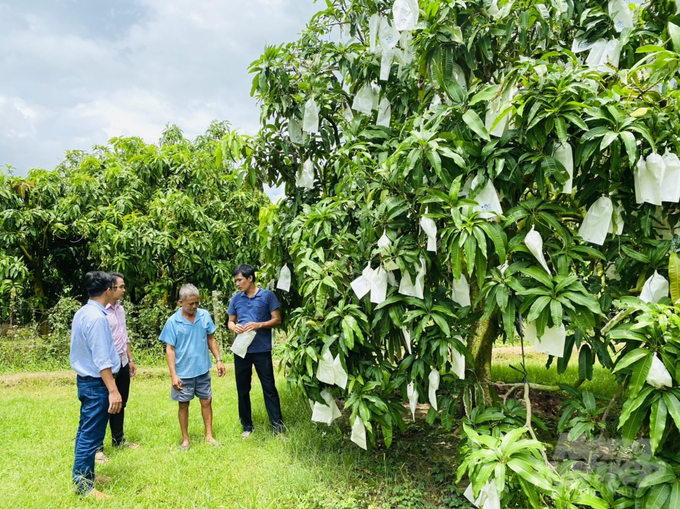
(190, 299)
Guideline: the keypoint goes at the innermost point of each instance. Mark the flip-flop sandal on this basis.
(183, 447)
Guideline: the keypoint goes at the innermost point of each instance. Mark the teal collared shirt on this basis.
(92, 347)
(192, 355)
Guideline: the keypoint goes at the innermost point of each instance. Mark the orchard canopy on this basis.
(457, 172)
(161, 214)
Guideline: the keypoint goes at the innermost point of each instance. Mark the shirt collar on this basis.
(115, 305)
(96, 304)
(179, 317)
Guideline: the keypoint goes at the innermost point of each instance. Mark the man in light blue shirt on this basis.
(96, 362)
(189, 337)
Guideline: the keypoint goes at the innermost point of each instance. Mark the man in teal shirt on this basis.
(189, 337)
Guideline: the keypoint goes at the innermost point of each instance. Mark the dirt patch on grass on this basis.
(65, 377)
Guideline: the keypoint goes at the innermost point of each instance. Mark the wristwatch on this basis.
(218, 360)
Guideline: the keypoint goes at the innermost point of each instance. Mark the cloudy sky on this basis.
(74, 73)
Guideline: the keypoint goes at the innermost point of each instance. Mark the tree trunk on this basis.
(39, 291)
(480, 345)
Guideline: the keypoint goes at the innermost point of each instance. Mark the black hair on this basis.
(97, 282)
(117, 275)
(247, 271)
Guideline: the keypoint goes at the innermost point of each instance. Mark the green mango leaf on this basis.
(674, 276)
(674, 32)
(475, 123)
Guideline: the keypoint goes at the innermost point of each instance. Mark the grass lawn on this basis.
(318, 467)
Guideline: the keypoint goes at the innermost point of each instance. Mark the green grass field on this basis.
(318, 467)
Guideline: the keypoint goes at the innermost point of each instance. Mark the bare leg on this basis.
(183, 415)
(206, 411)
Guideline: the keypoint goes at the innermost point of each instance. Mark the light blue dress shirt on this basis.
(92, 347)
(192, 355)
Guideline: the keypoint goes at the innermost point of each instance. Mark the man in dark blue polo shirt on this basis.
(255, 309)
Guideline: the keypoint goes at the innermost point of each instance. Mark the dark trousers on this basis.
(116, 420)
(265, 372)
(94, 413)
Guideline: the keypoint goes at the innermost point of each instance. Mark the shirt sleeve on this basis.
(99, 340)
(126, 339)
(209, 324)
(232, 307)
(273, 302)
(168, 335)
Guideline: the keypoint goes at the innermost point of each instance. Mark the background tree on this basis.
(161, 214)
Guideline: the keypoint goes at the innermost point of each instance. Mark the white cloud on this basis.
(76, 72)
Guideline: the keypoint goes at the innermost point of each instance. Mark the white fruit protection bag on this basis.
(384, 113)
(407, 339)
(534, 243)
(242, 342)
(460, 292)
(326, 413)
(659, 376)
(597, 221)
(412, 394)
(488, 496)
(310, 122)
(295, 131)
(359, 433)
(408, 288)
(564, 154)
(362, 284)
(670, 189)
(654, 289)
(284, 279)
(430, 229)
(551, 342)
(306, 176)
(366, 100)
(487, 200)
(433, 385)
(405, 14)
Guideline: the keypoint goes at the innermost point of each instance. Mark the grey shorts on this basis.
(198, 386)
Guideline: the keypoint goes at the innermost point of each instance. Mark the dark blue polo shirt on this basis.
(257, 308)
